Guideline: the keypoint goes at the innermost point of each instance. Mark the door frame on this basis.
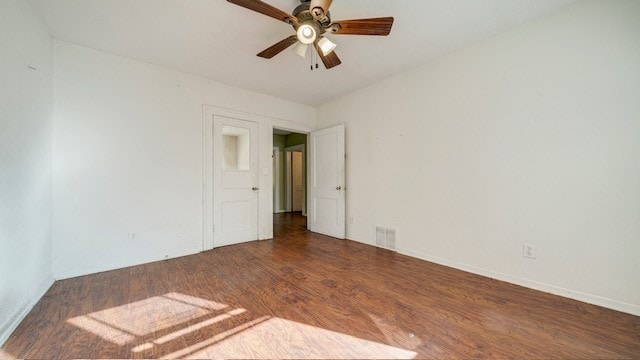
(277, 162)
(266, 125)
(288, 183)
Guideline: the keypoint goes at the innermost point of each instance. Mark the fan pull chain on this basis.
(312, 61)
(316, 55)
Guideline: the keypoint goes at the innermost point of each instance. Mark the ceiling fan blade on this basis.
(322, 4)
(330, 60)
(265, 9)
(376, 26)
(278, 48)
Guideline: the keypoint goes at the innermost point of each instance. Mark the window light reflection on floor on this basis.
(6, 356)
(198, 326)
(121, 324)
(285, 339)
(230, 332)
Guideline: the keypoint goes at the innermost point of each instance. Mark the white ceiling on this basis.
(218, 40)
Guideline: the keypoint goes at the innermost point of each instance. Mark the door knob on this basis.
(255, 188)
(339, 188)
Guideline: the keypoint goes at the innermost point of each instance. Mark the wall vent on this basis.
(385, 237)
(381, 236)
(391, 239)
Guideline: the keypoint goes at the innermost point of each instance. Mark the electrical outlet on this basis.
(529, 251)
(133, 236)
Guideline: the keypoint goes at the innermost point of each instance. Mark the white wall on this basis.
(128, 157)
(25, 161)
(532, 136)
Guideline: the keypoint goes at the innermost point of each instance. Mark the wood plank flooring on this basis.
(304, 295)
(288, 223)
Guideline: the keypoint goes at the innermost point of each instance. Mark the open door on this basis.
(326, 182)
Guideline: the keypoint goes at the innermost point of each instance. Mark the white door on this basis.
(296, 181)
(326, 185)
(235, 181)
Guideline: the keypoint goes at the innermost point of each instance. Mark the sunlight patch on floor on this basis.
(178, 316)
(105, 331)
(214, 339)
(6, 356)
(285, 339)
(121, 324)
(394, 334)
(198, 326)
(142, 347)
(195, 301)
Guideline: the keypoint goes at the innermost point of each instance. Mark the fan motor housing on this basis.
(303, 7)
(303, 13)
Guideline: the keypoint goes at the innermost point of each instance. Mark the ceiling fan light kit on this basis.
(326, 45)
(300, 49)
(311, 20)
(307, 34)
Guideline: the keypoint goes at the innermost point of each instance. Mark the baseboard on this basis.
(10, 326)
(552, 289)
(535, 285)
(96, 268)
(280, 211)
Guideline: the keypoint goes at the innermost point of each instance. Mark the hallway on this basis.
(289, 223)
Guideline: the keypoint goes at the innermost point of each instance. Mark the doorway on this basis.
(290, 182)
(251, 210)
(295, 179)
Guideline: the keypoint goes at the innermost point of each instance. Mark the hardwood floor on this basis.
(304, 295)
(289, 223)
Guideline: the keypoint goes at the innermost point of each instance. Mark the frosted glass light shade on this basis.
(300, 49)
(326, 46)
(306, 34)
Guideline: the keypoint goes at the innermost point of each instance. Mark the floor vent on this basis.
(385, 238)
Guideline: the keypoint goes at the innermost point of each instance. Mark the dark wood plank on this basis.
(376, 26)
(331, 60)
(305, 295)
(265, 9)
(279, 47)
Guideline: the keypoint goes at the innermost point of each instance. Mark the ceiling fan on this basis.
(311, 20)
